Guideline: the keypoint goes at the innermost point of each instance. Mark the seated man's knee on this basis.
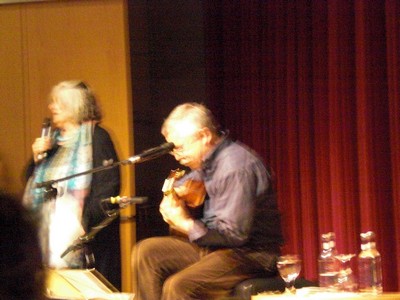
(141, 251)
(177, 284)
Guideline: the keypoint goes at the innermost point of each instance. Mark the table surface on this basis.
(315, 294)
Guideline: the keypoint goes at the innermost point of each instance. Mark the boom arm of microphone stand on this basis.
(92, 233)
(145, 156)
(83, 240)
(49, 183)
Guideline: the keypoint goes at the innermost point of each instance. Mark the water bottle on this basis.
(369, 265)
(328, 265)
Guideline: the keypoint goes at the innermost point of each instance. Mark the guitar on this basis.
(192, 192)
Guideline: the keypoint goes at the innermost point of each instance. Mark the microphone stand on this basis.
(83, 240)
(51, 192)
(107, 164)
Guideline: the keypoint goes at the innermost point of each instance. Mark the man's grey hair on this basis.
(197, 113)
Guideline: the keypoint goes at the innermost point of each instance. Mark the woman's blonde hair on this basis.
(78, 99)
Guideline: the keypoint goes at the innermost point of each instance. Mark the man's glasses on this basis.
(180, 148)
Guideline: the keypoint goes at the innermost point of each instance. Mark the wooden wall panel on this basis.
(62, 40)
(12, 115)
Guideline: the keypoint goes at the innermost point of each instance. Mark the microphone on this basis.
(152, 153)
(124, 200)
(46, 132)
(46, 127)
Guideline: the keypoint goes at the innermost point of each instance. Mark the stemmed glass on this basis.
(346, 279)
(289, 267)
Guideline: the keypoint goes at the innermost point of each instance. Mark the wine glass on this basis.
(346, 278)
(289, 267)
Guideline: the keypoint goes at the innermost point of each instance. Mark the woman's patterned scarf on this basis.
(61, 219)
(73, 156)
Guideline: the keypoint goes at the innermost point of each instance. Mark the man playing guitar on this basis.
(238, 234)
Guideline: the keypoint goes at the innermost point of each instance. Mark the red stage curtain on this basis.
(314, 87)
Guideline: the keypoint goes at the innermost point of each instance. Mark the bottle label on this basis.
(368, 246)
